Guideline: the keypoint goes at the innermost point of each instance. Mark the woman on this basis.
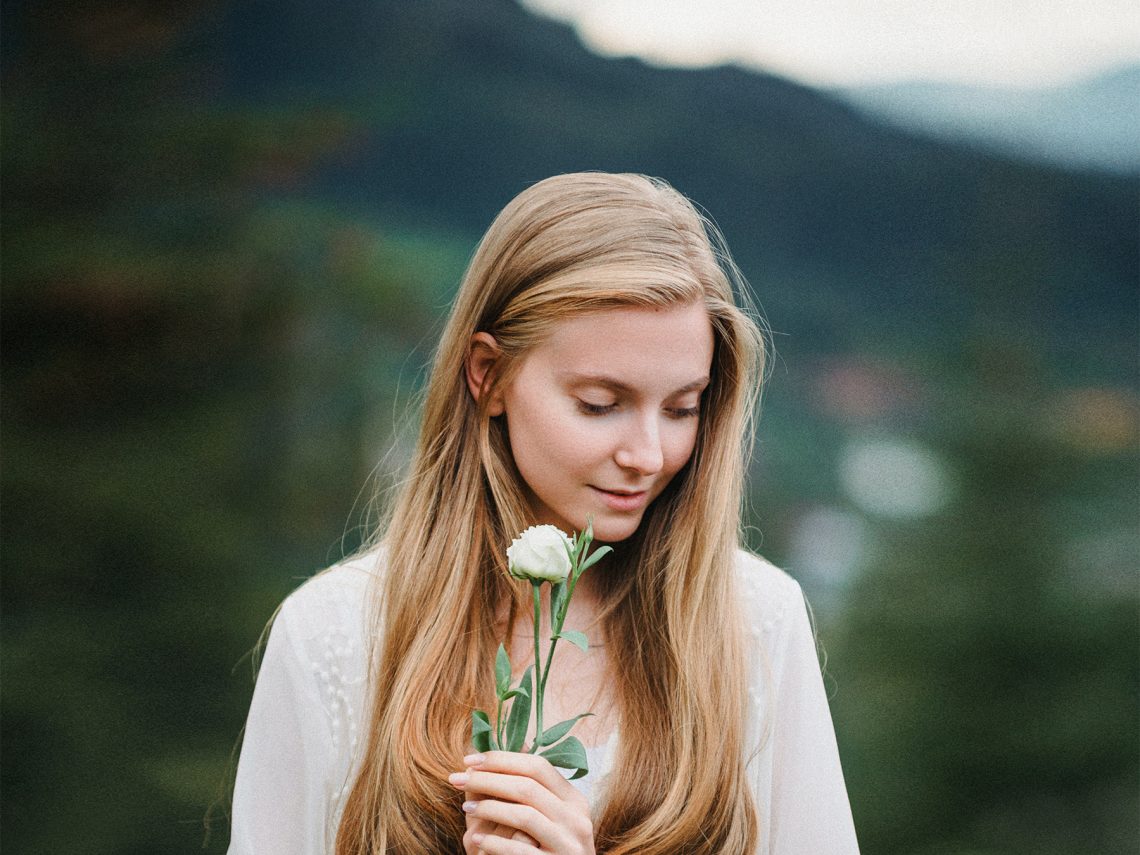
(595, 364)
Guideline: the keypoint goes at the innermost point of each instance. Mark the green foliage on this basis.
(552, 734)
(568, 754)
(982, 663)
(520, 713)
(502, 671)
(482, 734)
(193, 374)
(576, 638)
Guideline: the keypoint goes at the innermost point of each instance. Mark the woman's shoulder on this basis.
(768, 594)
(332, 604)
(323, 638)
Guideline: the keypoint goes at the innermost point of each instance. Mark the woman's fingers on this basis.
(505, 832)
(532, 802)
(480, 828)
(493, 845)
(478, 825)
(515, 788)
(533, 827)
(487, 826)
(529, 765)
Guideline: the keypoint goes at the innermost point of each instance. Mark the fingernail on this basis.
(469, 807)
(458, 779)
(476, 839)
(474, 760)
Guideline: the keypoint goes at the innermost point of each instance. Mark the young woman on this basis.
(595, 364)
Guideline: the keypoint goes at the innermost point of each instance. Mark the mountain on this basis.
(1092, 123)
(456, 106)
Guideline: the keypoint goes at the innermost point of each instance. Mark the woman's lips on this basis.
(623, 501)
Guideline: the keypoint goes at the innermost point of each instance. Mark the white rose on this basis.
(541, 554)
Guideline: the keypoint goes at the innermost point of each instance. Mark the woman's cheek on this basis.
(681, 445)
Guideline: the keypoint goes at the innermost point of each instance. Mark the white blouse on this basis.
(306, 723)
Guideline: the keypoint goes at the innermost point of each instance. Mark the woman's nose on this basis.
(640, 448)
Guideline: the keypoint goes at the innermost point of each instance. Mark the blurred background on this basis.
(231, 233)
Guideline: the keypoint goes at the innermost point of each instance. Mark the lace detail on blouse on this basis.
(337, 690)
(328, 613)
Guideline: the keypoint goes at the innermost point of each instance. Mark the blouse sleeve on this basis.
(808, 806)
(280, 795)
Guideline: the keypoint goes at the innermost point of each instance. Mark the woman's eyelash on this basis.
(595, 409)
(685, 413)
(601, 409)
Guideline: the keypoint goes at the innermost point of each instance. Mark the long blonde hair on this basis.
(568, 245)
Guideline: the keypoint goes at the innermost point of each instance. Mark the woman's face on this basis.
(604, 413)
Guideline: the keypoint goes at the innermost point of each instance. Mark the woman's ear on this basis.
(482, 355)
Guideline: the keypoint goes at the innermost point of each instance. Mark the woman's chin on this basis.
(615, 529)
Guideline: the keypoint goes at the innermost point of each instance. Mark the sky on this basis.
(835, 43)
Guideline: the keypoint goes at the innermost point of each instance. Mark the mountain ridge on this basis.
(1092, 123)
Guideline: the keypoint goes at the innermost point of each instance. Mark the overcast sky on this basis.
(844, 42)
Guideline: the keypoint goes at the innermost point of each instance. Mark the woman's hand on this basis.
(518, 804)
(480, 828)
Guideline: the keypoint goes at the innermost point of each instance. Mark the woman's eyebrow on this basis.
(616, 385)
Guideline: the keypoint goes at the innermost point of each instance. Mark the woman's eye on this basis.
(595, 409)
(685, 412)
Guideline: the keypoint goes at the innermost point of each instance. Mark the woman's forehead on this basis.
(631, 346)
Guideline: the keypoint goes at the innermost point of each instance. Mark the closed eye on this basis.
(595, 409)
(602, 409)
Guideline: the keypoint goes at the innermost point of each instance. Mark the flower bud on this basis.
(540, 554)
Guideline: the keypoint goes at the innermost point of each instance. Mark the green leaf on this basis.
(568, 754)
(482, 736)
(502, 671)
(518, 691)
(553, 734)
(575, 637)
(558, 604)
(579, 544)
(599, 553)
(519, 718)
(587, 537)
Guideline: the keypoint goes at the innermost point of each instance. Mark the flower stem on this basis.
(540, 680)
(546, 670)
(539, 676)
